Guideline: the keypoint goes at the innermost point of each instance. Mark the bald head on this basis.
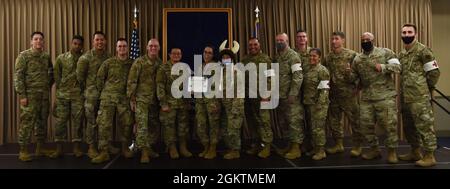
(282, 41)
(367, 36)
(153, 48)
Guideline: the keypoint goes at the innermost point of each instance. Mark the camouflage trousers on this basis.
(90, 112)
(292, 115)
(34, 116)
(384, 114)
(68, 111)
(259, 119)
(418, 124)
(169, 121)
(147, 121)
(105, 121)
(349, 106)
(316, 115)
(207, 116)
(234, 118)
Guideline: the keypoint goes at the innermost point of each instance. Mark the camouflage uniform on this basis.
(291, 78)
(419, 76)
(315, 98)
(207, 116)
(112, 83)
(69, 100)
(87, 67)
(378, 94)
(342, 96)
(178, 113)
(234, 114)
(33, 79)
(256, 115)
(304, 56)
(142, 86)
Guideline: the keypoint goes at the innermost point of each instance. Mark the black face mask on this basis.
(408, 40)
(367, 46)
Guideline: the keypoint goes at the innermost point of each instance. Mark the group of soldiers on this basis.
(314, 92)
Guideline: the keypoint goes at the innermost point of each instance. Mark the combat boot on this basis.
(392, 156)
(356, 150)
(265, 152)
(232, 154)
(414, 155)
(338, 148)
(173, 152)
(205, 150)
(252, 150)
(294, 152)
(77, 152)
(183, 149)
(283, 151)
(41, 150)
(320, 154)
(427, 161)
(24, 155)
(152, 153)
(113, 150)
(145, 153)
(212, 153)
(59, 151)
(374, 152)
(126, 152)
(92, 151)
(102, 157)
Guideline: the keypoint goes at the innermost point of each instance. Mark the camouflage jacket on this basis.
(257, 60)
(375, 85)
(337, 64)
(316, 85)
(420, 72)
(67, 85)
(164, 80)
(142, 79)
(304, 56)
(87, 67)
(33, 73)
(112, 79)
(290, 73)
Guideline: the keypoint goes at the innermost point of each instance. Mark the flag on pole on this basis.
(256, 34)
(134, 47)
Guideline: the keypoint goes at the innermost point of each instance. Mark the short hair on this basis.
(37, 33)
(210, 46)
(410, 25)
(78, 37)
(317, 50)
(98, 33)
(171, 49)
(339, 33)
(121, 39)
(301, 31)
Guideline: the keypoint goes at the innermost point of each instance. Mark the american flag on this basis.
(134, 51)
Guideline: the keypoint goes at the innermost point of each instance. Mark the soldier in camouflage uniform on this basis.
(173, 110)
(69, 100)
(207, 116)
(141, 89)
(33, 79)
(343, 96)
(290, 108)
(315, 98)
(374, 68)
(112, 84)
(419, 76)
(87, 68)
(259, 117)
(302, 49)
(233, 106)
